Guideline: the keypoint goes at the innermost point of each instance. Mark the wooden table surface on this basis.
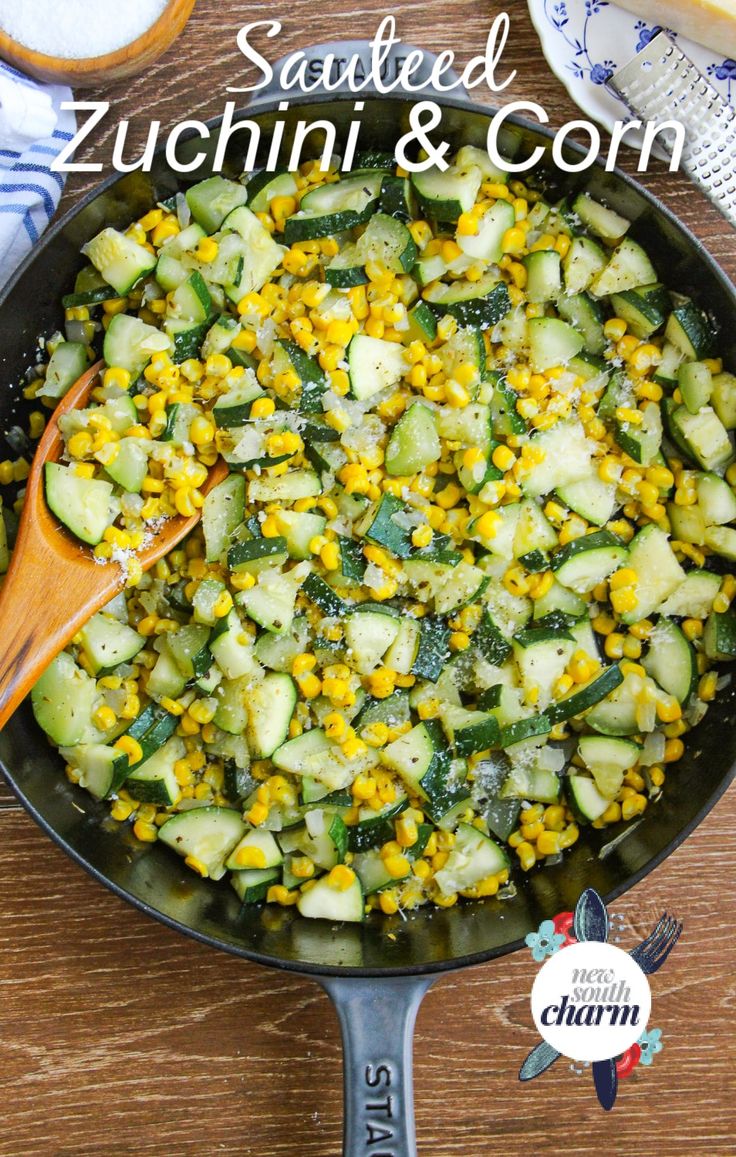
(120, 1037)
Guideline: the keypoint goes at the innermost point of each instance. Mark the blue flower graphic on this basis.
(599, 74)
(646, 34)
(726, 70)
(560, 17)
(545, 941)
(650, 1044)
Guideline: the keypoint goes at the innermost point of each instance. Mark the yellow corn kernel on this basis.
(679, 727)
(603, 624)
(563, 685)
(334, 725)
(78, 446)
(303, 663)
(459, 641)
(122, 810)
(352, 747)
(467, 224)
(188, 725)
(257, 813)
(668, 709)
(641, 630)
(634, 805)
(513, 240)
(421, 536)
(449, 497)
(309, 685)
(623, 600)
(625, 577)
(632, 647)
(527, 855)
(262, 408)
(302, 867)
(223, 605)
(515, 581)
(531, 815)
(614, 329)
(104, 717)
(488, 524)
(635, 780)
(339, 333)
(407, 833)
(656, 775)
(554, 818)
(548, 843)
(674, 749)
(614, 645)
(341, 878)
(242, 581)
(130, 747)
(569, 836)
(203, 710)
(201, 431)
(397, 866)
(375, 734)
(503, 458)
(541, 584)
(169, 227)
(207, 249)
(145, 831)
(455, 394)
(381, 683)
(278, 894)
(330, 556)
(364, 787)
(151, 219)
(250, 857)
(388, 902)
(707, 686)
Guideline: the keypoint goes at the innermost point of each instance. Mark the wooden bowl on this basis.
(91, 70)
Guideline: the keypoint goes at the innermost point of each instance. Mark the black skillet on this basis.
(376, 973)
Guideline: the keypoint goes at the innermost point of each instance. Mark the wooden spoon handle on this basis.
(53, 585)
(35, 622)
(44, 598)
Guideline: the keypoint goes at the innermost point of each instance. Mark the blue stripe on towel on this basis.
(29, 191)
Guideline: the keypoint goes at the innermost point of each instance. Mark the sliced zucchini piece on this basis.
(628, 268)
(659, 573)
(671, 660)
(324, 900)
(83, 505)
(473, 857)
(414, 442)
(121, 260)
(373, 365)
(207, 835)
(599, 219)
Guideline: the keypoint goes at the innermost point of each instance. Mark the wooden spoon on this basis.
(53, 585)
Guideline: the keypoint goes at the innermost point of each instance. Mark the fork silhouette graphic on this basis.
(651, 954)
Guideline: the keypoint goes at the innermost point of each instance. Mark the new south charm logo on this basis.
(591, 1000)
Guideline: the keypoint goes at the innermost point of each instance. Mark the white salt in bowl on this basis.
(82, 72)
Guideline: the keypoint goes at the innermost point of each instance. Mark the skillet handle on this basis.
(377, 1023)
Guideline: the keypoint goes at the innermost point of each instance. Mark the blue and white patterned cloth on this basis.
(29, 191)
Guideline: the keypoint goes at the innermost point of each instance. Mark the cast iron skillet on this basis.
(375, 980)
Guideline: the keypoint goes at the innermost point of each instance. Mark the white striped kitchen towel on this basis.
(33, 130)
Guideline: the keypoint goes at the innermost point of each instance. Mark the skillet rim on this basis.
(258, 108)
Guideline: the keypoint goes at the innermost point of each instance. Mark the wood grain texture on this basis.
(120, 1037)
